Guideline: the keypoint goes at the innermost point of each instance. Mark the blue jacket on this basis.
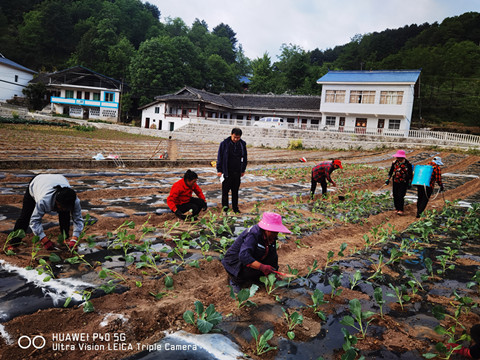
(248, 247)
(222, 157)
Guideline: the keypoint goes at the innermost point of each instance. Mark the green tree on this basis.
(221, 77)
(262, 80)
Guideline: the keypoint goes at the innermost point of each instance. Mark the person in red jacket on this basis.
(322, 173)
(180, 199)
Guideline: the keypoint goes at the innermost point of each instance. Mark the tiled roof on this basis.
(13, 64)
(80, 76)
(374, 76)
(244, 101)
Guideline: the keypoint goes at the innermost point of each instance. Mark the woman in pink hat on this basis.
(402, 173)
(254, 252)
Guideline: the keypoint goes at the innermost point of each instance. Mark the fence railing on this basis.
(467, 139)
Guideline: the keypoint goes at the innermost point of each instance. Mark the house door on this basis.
(360, 125)
(380, 126)
(172, 125)
(147, 123)
(341, 124)
(85, 113)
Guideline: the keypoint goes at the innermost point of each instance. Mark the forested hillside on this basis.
(126, 40)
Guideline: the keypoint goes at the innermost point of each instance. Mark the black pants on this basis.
(27, 210)
(399, 191)
(423, 193)
(195, 204)
(231, 183)
(323, 183)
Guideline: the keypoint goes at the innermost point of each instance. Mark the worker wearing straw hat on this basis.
(402, 173)
(254, 252)
(424, 192)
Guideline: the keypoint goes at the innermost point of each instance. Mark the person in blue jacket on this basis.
(48, 193)
(232, 163)
(254, 252)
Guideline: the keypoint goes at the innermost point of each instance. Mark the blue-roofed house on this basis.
(368, 102)
(83, 93)
(13, 78)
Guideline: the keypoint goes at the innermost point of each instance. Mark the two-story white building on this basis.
(13, 78)
(83, 93)
(368, 102)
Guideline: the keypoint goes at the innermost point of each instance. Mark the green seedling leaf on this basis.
(254, 332)
(188, 315)
(54, 258)
(168, 282)
(204, 326)
(67, 302)
(88, 307)
(199, 308)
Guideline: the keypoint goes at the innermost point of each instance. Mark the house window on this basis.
(362, 97)
(87, 95)
(96, 96)
(157, 110)
(109, 96)
(393, 124)
(335, 96)
(79, 94)
(16, 78)
(391, 97)
(69, 94)
(330, 121)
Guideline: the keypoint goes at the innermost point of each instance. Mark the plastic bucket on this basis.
(422, 175)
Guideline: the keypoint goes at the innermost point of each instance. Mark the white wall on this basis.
(11, 86)
(372, 112)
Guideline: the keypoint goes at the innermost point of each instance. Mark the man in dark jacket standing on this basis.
(232, 162)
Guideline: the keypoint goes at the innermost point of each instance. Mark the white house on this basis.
(368, 102)
(83, 93)
(171, 111)
(13, 78)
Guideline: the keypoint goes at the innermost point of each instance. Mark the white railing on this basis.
(467, 139)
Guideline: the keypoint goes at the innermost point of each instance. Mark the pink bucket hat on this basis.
(273, 222)
(400, 154)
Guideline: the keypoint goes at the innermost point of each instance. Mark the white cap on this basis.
(437, 160)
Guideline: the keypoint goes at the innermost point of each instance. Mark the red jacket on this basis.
(181, 194)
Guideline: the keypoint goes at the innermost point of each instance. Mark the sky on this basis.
(262, 26)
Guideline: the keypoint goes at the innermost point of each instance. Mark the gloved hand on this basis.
(47, 244)
(71, 243)
(442, 188)
(204, 208)
(266, 269)
(464, 351)
(334, 184)
(180, 215)
(387, 182)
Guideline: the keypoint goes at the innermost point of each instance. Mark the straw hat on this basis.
(273, 222)
(399, 154)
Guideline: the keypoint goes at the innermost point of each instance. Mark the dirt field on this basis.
(112, 197)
